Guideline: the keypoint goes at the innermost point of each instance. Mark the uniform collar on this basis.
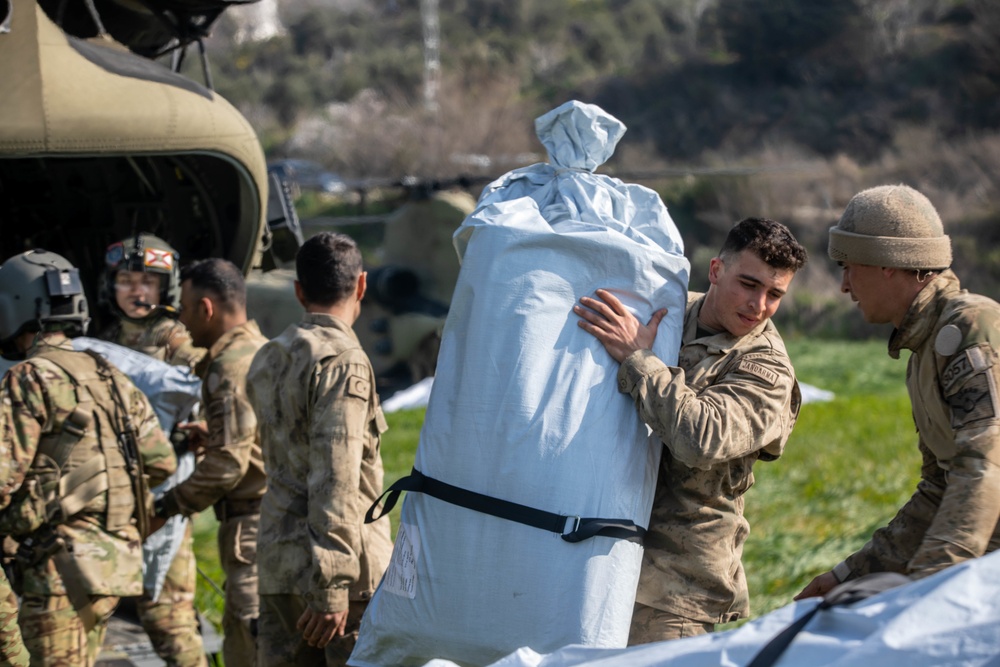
(922, 316)
(330, 321)
(719, 343)
(248, 328)
(132, 328)
(55, 339)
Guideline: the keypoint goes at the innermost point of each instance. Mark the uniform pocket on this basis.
(741, 474)
(245, 539)
(379, 423)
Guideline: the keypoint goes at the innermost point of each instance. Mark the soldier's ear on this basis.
(362, 285)
(208, 305)
(300, 295)
(714, 267)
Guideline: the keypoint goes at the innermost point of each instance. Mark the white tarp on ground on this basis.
(173, 392)
(811, 394)
(415, 396)
(526, 409)
(951, 619)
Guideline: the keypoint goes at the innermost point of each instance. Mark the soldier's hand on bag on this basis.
(616, 328)
(197, 433)
(818, 586)
(319, 628)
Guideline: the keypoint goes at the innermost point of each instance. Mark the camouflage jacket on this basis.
(12, 650)
(313, 390)
(952, 377)
(36, 396)
(231, 467)
(730, 402)
(162, 338)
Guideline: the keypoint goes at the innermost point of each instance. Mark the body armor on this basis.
(82, 466)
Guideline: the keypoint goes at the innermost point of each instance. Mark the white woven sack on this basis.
(525, 408)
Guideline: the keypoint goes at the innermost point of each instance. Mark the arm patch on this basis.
(755, 369)
(357, 386)
(970, 362)
(973, 402)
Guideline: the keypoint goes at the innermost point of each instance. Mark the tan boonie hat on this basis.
(892, 226)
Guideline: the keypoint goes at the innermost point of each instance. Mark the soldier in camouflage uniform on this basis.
(895, 257)
(230, 473)
(142, 286)
(313, 390)
(12, 649)
(78, 441)
(731, 400)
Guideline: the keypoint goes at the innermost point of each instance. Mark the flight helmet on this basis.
(149, 254)
(39, 289)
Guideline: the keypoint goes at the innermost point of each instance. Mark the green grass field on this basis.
(849, 465)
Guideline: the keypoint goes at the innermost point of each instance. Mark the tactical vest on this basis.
(79, 466)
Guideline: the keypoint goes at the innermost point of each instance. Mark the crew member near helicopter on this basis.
(142, 287)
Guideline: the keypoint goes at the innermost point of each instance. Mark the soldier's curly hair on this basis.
(768, 239)
(327, 267)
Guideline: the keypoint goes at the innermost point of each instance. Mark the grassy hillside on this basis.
(776, 108)
(849, 465)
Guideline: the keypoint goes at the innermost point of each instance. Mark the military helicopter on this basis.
(98, 140)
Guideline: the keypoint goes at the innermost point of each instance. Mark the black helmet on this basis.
(39, 288)
(148, 254)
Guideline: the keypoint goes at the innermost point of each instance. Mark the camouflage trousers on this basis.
(12, 649)
(54, 634)
(655, 625)
(170, 621)
(238, 557)
(280, 644)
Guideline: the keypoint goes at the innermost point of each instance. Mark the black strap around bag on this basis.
(846, 593)
(570, 528)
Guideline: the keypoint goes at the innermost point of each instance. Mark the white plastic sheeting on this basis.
(173, 392)
(415, 396)
(951, 619)
(811, 394)
(526, 408)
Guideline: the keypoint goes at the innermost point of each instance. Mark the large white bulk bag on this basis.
(525, 409)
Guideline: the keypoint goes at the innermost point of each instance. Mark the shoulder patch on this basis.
(970, 362)
(755, 369)
(212, 382)
(358, 386)
(948, 340)
(974, 401)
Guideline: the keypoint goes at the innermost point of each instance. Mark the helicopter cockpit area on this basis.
(77, 206)
(98, 143)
